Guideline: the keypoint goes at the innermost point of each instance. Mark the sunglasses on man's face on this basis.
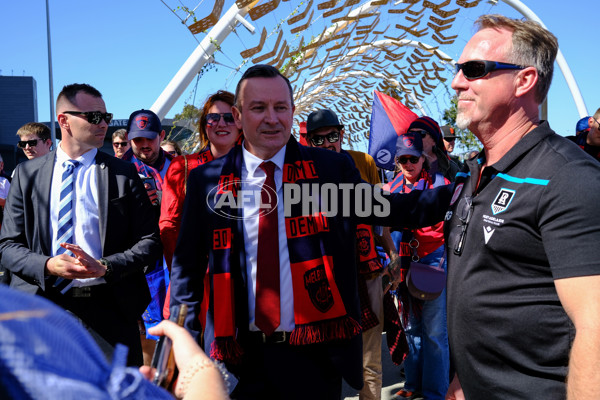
(120, 144)
(23, 143)
(476, 69)
(93, 117)
(214, 118)
(318, 140)
(404, 160)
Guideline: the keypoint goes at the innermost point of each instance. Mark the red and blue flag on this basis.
(389, 119)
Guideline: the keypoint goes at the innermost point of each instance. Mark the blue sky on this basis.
(130, 50)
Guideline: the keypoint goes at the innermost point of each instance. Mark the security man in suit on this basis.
(78, 227)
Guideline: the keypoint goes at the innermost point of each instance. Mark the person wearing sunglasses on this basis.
(79, 230)
(522, 232)
(218, 134)
(427, 363)
(588, 135)
(34, 139)
(283, 275)
(433, 147)
(171, 147)
(323, 129)
(120, 142)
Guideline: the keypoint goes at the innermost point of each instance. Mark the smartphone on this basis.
(163, 360)
(150, 185)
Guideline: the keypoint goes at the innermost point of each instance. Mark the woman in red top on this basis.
(218, 134)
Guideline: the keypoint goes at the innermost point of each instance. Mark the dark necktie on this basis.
(268, 309)
(65, 216)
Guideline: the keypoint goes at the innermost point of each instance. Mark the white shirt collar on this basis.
(252, 163)
(86, 158)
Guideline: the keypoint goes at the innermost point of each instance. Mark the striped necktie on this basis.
(65, 217)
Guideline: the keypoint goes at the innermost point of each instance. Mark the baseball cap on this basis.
(448, 132)
(143, 123)
(582, 125)
(321, 119)
(409, 144)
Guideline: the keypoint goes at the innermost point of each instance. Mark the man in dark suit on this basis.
(95, 268)
(293, 331)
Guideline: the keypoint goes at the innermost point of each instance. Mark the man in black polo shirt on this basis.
(522, 231)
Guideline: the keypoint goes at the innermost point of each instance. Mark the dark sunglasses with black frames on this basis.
(476, 69)
(23, 143)
(318, 140)
(404, 160)
(93, 117)
(464, 212)
(120, 144)
(214, 118)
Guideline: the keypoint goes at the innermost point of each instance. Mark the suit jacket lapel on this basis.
(102, 174)
(45, 182)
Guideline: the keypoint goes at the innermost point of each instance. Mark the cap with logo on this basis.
(582, 125)
(321, 119)
(409, 144)
(143, 123)
(448, 132)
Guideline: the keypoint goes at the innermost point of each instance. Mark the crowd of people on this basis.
(292, 260)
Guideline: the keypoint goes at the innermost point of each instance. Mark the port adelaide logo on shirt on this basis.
(502, 200)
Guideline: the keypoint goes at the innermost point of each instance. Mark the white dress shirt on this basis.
(253, 178)
(86, 221)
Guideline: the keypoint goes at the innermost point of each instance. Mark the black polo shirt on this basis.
(534, 218)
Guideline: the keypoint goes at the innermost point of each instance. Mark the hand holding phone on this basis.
(163, 360)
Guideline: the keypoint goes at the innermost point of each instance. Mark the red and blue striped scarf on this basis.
(319, 312)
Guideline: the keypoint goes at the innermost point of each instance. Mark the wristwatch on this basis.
(108, 266)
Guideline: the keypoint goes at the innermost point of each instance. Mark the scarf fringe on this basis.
(324, 331)
(227, 350)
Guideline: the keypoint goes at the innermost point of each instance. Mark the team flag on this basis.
(389, 119)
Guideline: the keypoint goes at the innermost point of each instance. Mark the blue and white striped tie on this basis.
(65, 218)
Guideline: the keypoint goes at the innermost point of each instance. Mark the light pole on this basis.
(51, 86)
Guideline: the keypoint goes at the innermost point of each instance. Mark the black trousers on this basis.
(101, 315)
(271, 371)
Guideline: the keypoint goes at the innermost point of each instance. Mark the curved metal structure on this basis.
(560, 59)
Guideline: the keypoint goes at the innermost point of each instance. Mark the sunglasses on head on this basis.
(214, 118)
(404, 160)
(318, 140)
(120, 144)
(23, 143)
(476, 69)
(93, 117)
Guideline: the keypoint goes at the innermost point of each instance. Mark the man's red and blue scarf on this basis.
(319, 312)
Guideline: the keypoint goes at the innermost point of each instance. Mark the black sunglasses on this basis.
(464, 211)
(318, 140)
(214, 118)
(120, 144)
(23, 143)
(93, 117)
(412, 159)
(421, 132)
(476, 69)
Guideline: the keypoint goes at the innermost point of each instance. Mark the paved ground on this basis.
(392, 379)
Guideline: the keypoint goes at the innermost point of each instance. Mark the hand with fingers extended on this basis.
(81, 266)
